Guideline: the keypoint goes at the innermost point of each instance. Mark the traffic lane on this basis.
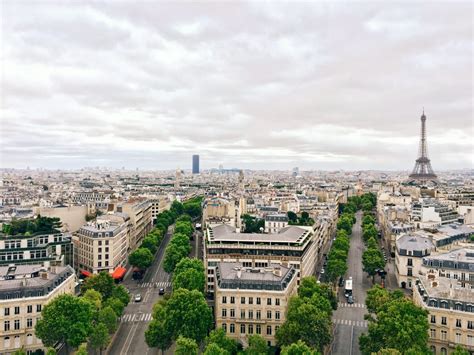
(346, 340)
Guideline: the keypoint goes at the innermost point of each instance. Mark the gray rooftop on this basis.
(414, 242)
(225, 233)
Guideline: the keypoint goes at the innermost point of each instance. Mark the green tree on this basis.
(218, 337)
(99, 337)
(341, 243)
(345, 223)
(186, 346)
(52, 351)
(102, 282)
(158, 335)
(292, 217)
(298, 348)
(184, 227)
(257, 345)
(377, 297)
(94, 297)
(108, 317)
(399, 325)
(121, 293)
(19, 352)
(214, 349)
(372, 243)
(309, 286)
(368, 219)
(150, 242)
(190, 279)
(177, 207)
(368, 232)
(65, 319)
(117, 305)
(184, 218)
(82, 350)
(335, 269)
(177, 249)
(372, 260)
(388, 352)
(459, 350)
(141, 258)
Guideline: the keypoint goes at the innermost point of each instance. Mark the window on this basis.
(29, 339)
(444, 335)
(277, 301)
(269, 330)
(242, 314)
(7, 311)
(38, 308)
(259, 316)
(29, 309)
(250, 300)
(242, 300)
(444, 351)
(17, 310)
(258, 329)
(6, 325)
(470, 324)
(410, 262)
(17, 324)
(224, 299)
(224, 326)
(269, 301)
(410, 272)
(443, 321)
(224, 312)
(458, 338)
(269, 314)
(433, 319)
(242, 329)
(470, 340)
(277, 315)
(6, 342)
(232, 328)
(29, 323)
(250, 314)
(433, 333)
(458, 323)
(276, 328)
(232, 299)
(258, 300)
(232, 313)
(250, 328)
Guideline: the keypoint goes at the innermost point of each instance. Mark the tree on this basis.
(177, 207)
(218, 337)
(257, 345)
(150, 242)
(298, 348)
(459, 350)
(121, 293)
(94, 297)
(368, 219)
(400, 325)
(108, 317)
(82, 350)
(345, 223)
(389, 352)
(214, 349)
(368, 232)
(102, 282)
(186, 346)
(377, 297)
(117, 305)
(52, 351)
(372, 260)
(141, 258)
(99, 337)
(19, 352)
(335, 269)
(177, 249)
(372, 243)
(184, 227)
(309, 286)
(66, 319)
(158, 335)
(190, 279)
(292, 217)
(341, 243)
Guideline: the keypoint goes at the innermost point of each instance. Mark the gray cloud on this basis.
(271, 85)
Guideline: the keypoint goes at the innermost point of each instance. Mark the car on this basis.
(161, 291)
(138, 297)
(350, 299)
(322, 271)
(341, 281)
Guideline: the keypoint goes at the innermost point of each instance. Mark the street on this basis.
(348, 319)
(130, 336)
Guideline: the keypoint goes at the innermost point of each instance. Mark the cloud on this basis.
(262, 85)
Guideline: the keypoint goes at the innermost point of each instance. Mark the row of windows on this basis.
(458, 337)
(249, 328)
(7, 325)
(249, 313)
(458, 306)
(249, 300)
(470, 323)
(7, 343)
(16, 309)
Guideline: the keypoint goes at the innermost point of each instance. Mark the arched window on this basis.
(6, 342)
(433, 349)
(17, 341)
(444, 351)
(29, 339)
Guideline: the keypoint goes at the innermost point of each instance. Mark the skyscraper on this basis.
(196, 164)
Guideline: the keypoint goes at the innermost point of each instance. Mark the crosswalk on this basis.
(162, 284)
(135, 317)
(348, 305)
(355, 323)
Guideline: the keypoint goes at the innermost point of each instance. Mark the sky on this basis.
(255, 85)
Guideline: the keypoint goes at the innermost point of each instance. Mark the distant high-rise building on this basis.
(296, 171)
(196, 164)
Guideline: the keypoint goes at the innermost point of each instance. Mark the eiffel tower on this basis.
(423, 171)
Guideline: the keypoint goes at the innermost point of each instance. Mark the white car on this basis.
(138, 297)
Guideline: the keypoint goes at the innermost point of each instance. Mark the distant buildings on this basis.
(252, 300)
(275, 222)
(24, 291)
(196, 164)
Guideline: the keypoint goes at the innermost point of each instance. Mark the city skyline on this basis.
(248, 85)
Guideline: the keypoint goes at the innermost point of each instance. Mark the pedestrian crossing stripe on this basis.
(162, 284)
(135, 317)
(355, 323)
(353, 305)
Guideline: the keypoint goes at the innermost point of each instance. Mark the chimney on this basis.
(277, 271)
(44, 275)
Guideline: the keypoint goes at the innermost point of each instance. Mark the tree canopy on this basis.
(186, 346)
(141, 258)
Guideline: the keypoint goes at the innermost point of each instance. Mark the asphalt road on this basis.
(130, 337)
(349, 319)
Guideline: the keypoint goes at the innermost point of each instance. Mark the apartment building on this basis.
(252, 300)
(103, 244)
(24, 291)
(431, 213)
(220, 210)
(158, 205)
(292, 246)
(141, 220)
(451, 312)
(275, 222)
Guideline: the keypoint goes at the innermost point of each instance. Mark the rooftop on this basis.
(225, 233)
(414, 242)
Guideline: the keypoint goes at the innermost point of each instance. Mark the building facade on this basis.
(24, 291)
(141, 220)
(275, 222)
(252, 300)
(195, 164)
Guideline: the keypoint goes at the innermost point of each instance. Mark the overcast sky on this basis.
(327, 85)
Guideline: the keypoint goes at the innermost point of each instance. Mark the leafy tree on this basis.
(117, 305)
(335, 269)
(388, 352)
(368, 219)
(184, 218)
(186, 346)
(82, 350)
(341, 233)
(253, 224)
(52, 351)
(214, 349)
(150, 242)
(108, 317)
(309, 286)
(94, 297)
(459, 350)
(304, 216)
(372, 243)
(177, 249)
(189, 263)
(141, 258)
(19, 352)
(257, 345)
(377, 297)
(158, 335)
(190, 279)
(102, 282)
(99, 337)
(298, 348)
(368, 232)
(66, 319)
(372, 260)
(177, 207)
(292, 217)
(184, 227)
(337, 254)
(400, 325)
(341, 243)
(121, 293)
(345, 223)
(218, 337)
(192, 209)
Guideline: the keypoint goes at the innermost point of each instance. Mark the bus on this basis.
(348, 288)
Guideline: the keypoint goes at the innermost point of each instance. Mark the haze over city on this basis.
(340, 85)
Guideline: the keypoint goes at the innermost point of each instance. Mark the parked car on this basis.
(161, 291)
(341, 281)
(350, 299)
(138, 297)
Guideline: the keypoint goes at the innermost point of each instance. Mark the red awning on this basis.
(119, 273)
(85, 273)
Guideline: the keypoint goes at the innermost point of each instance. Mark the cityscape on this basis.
(236, 178)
